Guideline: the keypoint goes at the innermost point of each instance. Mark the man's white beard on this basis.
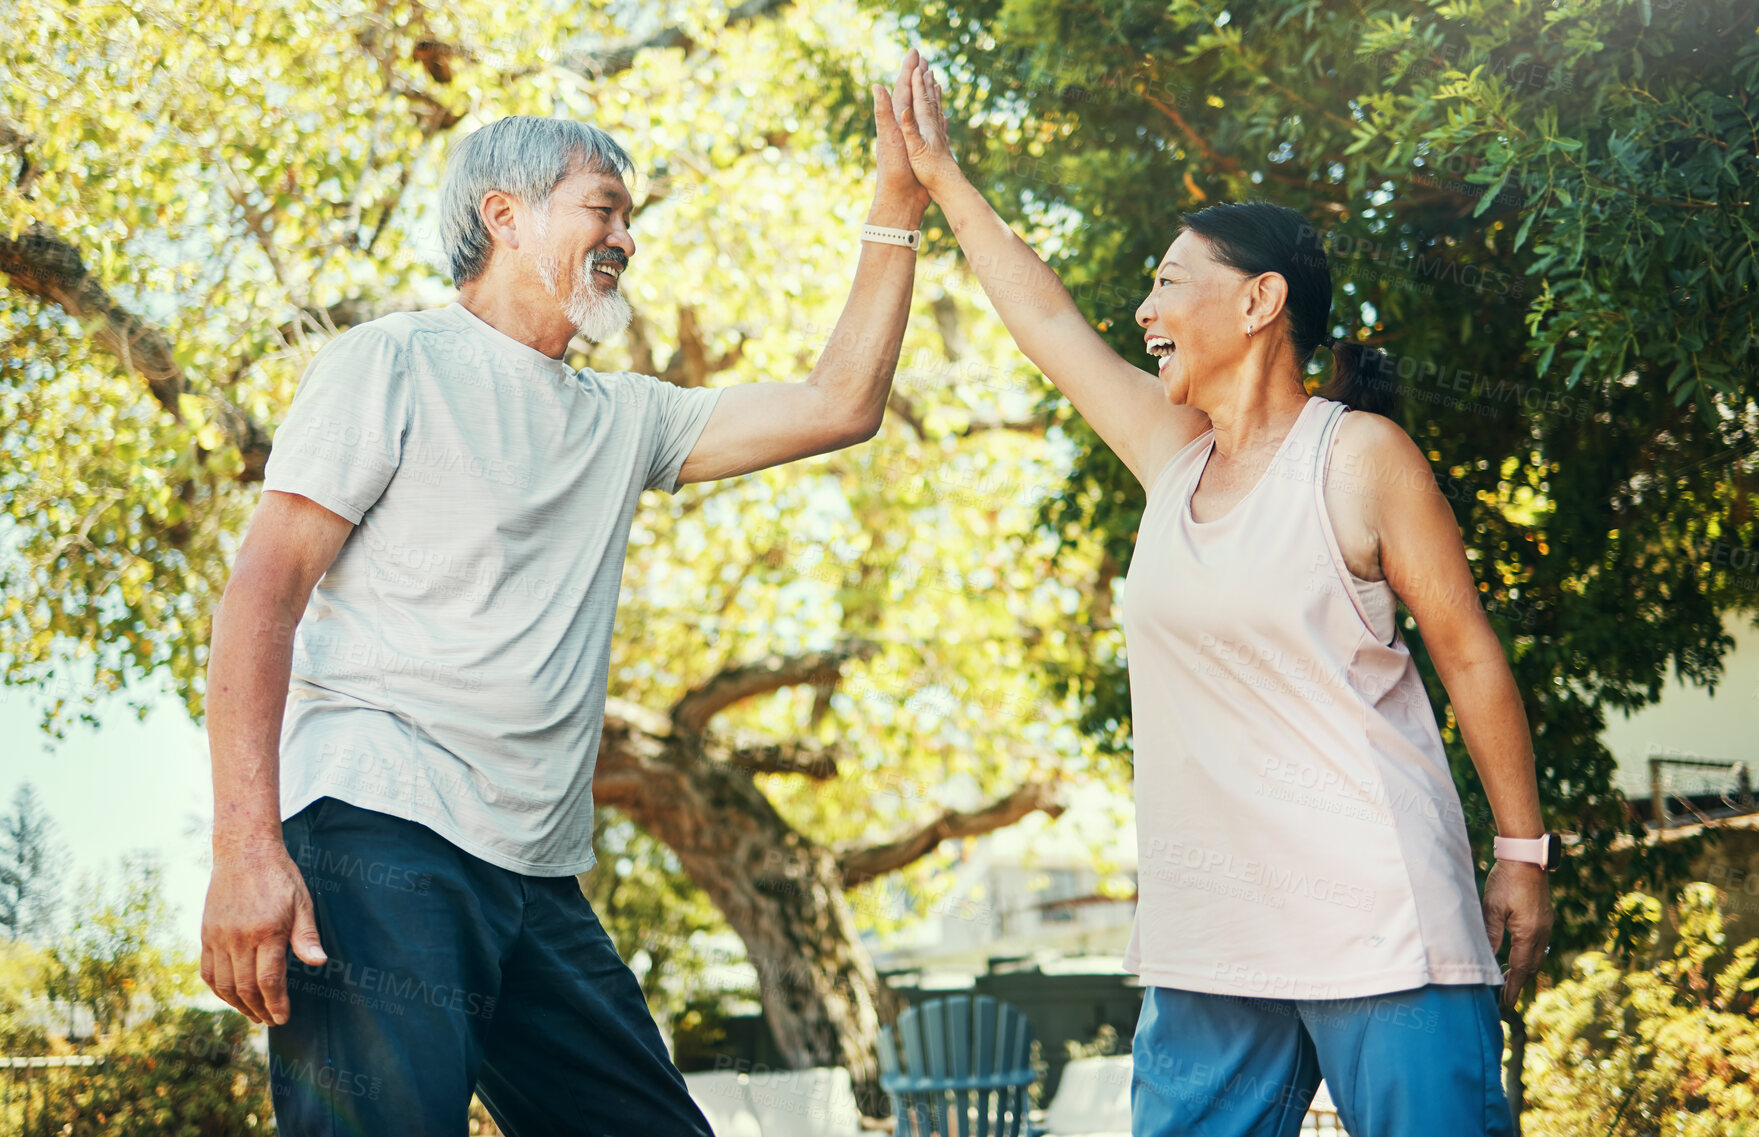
(596, 313)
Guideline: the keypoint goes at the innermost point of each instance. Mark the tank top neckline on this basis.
(1203, 464)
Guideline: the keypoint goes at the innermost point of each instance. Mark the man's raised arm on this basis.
(756, 425)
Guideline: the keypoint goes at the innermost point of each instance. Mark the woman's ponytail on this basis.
(1362, 378)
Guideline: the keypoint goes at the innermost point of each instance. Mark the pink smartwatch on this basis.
(1546, 851)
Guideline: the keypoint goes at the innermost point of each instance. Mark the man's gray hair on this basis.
(522, 155)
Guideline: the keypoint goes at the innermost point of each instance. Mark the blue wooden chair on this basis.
(966, 1066)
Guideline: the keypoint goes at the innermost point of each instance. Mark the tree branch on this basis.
(862, 865)
(641, 351)
(772, 673)
(809, 758)
(616, 58)
(1109, 570)
(900, 405)
(40, 263)
(342, 315)
(1198, 140)
(946, 319)
(632, 739)
(13, 138)
(689, 365)
(1210, 152)
(1032, 424)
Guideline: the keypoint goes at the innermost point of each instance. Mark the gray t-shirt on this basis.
(451, 665)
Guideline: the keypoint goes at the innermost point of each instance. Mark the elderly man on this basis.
(409, 665)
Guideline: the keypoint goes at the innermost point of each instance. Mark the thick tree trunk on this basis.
(781, 893)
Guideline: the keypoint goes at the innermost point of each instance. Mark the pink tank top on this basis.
(1298, 831)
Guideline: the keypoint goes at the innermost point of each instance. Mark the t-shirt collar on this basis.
(507, 342)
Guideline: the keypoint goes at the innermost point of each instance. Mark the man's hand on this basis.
(1518, 898)
(257, 904)
(898, 191)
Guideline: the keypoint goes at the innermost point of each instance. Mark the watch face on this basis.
(1554, 851)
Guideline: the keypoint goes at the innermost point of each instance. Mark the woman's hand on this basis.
(899, 196)
(925, 129)
(1518, 897)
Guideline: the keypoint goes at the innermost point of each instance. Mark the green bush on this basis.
(181, 1073)
(1644, 1040)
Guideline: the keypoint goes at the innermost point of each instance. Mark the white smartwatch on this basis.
(909, 238)
(1546, 851)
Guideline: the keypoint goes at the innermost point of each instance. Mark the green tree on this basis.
(821, 672)
(1546, 214)
(113, 961)
(22, 970)
(29, 878)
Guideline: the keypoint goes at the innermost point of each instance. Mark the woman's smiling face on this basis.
(1194, 317)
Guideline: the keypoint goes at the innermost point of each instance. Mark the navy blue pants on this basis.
(449, 975)
(1422, 1062)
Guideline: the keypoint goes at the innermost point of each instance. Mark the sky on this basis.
(125, 787)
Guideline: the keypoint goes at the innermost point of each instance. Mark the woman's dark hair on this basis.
(1256, 237)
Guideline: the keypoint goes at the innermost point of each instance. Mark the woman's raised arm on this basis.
(1124, 404)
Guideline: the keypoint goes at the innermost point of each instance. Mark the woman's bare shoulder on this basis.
(1372, 461)
(1374, 452)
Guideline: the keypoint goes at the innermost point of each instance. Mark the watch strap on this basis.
(909, 238)
(1545, 850)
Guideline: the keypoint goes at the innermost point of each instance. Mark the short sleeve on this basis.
(679, 415)
(343, 437)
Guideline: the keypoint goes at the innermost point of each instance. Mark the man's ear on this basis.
(501, 218)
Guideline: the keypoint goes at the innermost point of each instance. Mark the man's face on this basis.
(582, 246)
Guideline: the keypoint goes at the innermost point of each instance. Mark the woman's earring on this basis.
(1248, 331)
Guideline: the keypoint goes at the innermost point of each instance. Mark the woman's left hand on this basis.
(1517, 897)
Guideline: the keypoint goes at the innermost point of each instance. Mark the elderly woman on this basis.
(1307, 904)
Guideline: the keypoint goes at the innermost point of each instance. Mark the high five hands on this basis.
(898, 185)
(913, 128)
